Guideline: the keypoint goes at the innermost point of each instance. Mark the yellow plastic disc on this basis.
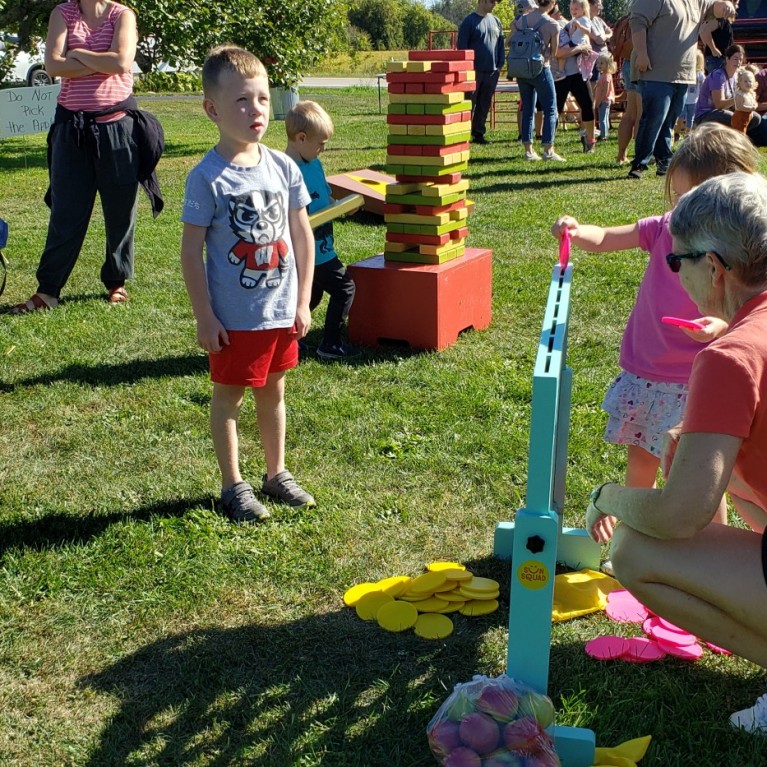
(431, 605)
(431, 626)
(395, 585)
(436, 567)
(426, 583)
(452, 596)
(479, 607)
(446, 586)
(352, 595)
(481, 584)
(397, 616)
(367, 606)
(467, 594)
(452, 607)
(458, 575)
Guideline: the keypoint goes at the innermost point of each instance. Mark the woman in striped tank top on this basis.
(91, 46)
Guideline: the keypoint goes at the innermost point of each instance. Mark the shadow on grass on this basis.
(325, 689)
(57, 529)
(115, 375)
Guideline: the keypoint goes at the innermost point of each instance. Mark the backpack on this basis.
(525, 59)
(621, 44)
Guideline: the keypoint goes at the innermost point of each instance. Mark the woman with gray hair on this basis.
(710, 579)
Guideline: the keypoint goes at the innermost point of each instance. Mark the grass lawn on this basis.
(141, 628)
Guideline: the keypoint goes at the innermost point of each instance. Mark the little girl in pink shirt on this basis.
(648, 396)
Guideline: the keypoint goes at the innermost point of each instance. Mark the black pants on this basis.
(333, 279)
(76, 175)
(576, 85)
(481, 100)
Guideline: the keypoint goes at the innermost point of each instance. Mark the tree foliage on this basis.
(289, 35)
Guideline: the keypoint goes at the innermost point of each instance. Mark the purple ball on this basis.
(462, 757)
(480, 732)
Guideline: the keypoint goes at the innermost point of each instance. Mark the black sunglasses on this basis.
(674, 260)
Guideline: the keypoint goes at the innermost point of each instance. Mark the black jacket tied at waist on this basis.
(148, 134)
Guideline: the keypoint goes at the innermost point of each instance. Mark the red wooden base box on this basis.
(423, 305)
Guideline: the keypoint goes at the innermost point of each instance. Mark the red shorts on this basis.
(252, 354)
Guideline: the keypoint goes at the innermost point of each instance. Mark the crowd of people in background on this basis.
(671, 66)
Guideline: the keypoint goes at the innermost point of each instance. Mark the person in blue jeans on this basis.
(542, 86)
(665, 38)
(482, 33)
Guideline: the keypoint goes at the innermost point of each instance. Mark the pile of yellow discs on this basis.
(401, 602)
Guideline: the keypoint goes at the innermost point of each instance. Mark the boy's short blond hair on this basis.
(310, 118)
(229, 58)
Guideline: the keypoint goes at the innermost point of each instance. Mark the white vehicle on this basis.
(28, 68)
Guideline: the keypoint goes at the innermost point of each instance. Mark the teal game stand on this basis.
(536, 540)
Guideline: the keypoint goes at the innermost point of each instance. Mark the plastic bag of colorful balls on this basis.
(496, 722)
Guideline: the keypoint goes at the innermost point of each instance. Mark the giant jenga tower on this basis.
(429, 120)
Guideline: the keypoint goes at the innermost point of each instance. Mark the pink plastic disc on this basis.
(669, 625)
(686, 652)
(658, 632)
(626, 610)
(717, 649)
(564, 250)
(607, 647)
(642, 650)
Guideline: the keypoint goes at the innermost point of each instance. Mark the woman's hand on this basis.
(713, 327)
(598, 525)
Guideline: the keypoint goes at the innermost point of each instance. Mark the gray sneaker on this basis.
(240, 505)
(282, 487)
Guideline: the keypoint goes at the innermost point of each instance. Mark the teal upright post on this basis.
(536, 540)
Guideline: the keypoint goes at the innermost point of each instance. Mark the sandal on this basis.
(118, 295)
(34, 304)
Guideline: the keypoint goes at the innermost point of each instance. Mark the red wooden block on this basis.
(430, 210)
(447, 119)
(434, 150)
(448, 178)
(445, 78)
(393, 207)
(459, 234)
(424, 305)
(452, 66)
(456, 88)
(417, 87)
(441, 55)
(396, 87)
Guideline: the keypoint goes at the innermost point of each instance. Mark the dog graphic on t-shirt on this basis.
(258, 218)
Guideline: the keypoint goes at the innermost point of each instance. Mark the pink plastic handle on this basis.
(681, 323)
(564, 249)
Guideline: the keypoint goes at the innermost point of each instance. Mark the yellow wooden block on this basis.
(440, 190)
(416, 218)
(464, 156)
(436, 250)
(418, 66)
(397, 247)
(417, 130)
(459, 215)
(426, 98)
(397, 189)
(396, 66)
(447, 130)
(398, 130)
(471, 76)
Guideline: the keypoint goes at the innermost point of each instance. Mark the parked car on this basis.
(28, 68)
